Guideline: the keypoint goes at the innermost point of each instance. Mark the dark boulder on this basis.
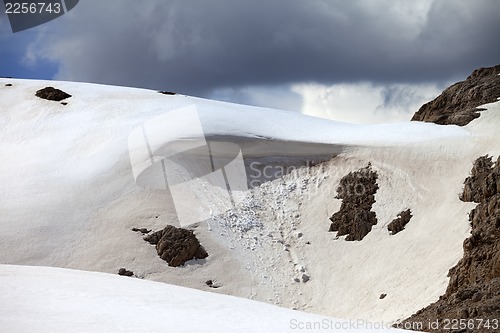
(176, 245)
(212, 284)
(399, 223)
(141, 230)
(125, 272)
(52, 94)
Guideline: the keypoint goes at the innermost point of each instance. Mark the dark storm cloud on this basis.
(197, 46)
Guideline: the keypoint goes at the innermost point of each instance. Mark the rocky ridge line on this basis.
(473, 293)
(457, 104)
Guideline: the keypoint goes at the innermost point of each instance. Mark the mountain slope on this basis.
(69, 199)
(54, 300)
(472, 298)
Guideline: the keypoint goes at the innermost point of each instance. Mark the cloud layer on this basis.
(360, 61)
(199, 46)
(364, 102)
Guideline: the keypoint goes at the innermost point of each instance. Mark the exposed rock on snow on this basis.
(176, 245)
(52, 94)
(142, 230)
(357, 191)
(474, 288)
(167, 92)
(399, 223)
(457, 105)
(75, 183)
(482, 183)
(125, 272)
(212, 284)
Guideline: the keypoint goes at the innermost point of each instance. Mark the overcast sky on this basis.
(358, 61)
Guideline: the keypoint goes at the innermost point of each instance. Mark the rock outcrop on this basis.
(125, 272)
(457, 105)
(483, 182)
(357, 191)
(399, 223)
(52, 94)
(176, 245)
(473, 293)
(141, 230)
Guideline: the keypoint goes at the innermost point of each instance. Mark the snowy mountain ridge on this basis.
(70, 200)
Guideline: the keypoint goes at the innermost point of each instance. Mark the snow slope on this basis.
(55, 300)
(69, 199)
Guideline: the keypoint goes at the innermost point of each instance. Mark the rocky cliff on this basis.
(472, 300)
(457, 105)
